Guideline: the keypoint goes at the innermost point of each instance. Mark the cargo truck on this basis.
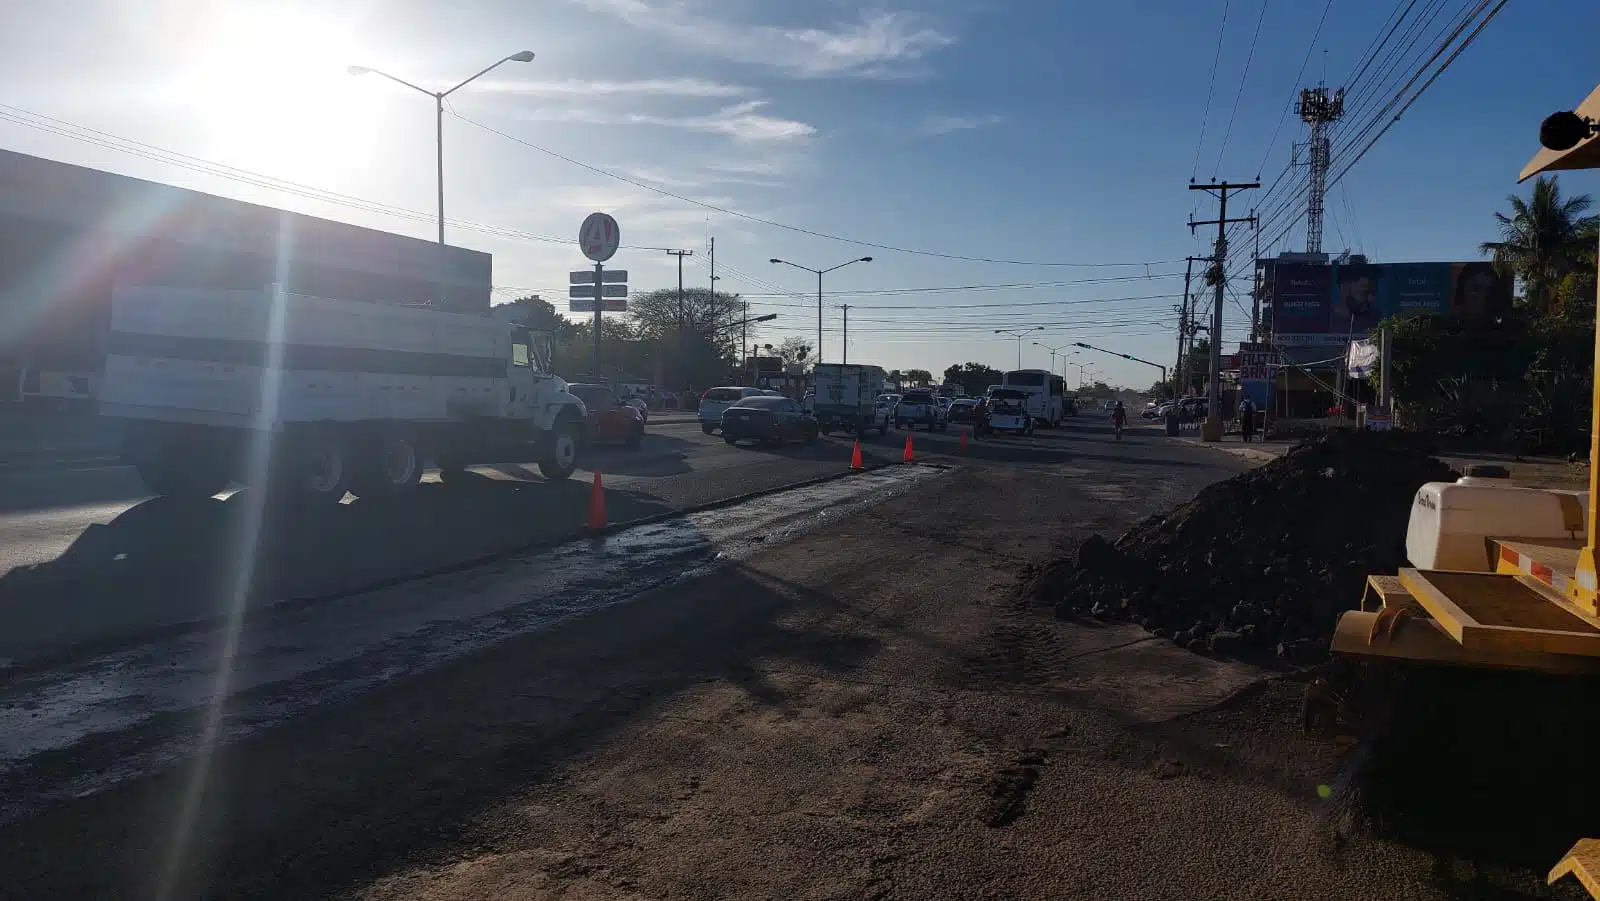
(315, 397)
(847, 398)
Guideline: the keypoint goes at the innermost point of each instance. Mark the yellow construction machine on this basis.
(1502, 577)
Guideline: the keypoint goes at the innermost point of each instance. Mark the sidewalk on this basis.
(1262, 451)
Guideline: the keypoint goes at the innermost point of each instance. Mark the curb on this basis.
(11, 669)
(1247, 453)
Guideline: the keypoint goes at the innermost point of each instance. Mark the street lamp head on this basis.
(1081, 344)
(774, 260)
(358, 70)
(864, 260)
(525, 56)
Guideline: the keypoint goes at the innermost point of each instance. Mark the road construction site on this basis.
(786, 680)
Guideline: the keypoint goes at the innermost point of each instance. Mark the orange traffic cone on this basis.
(963, 439)
(855, 456)
(906, 457)
(597, 504)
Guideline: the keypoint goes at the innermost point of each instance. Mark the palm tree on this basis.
(1545, 238)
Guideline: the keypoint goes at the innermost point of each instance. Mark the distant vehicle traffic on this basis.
(963, 410)
(609, 417)
(846, 397)
(1046, 394)
(1008, 411)
(716, 400)
(769, 420)
(919, 407)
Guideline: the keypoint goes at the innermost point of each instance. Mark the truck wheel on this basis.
(708, 429)
(635, 437)
(561, 457)
(195, 479)
(314, 469)
(390, 464)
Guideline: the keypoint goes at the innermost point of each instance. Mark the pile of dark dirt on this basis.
(1264, 561)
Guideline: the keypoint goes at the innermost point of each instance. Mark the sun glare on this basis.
(270, 88)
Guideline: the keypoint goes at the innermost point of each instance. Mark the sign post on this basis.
(598, 237)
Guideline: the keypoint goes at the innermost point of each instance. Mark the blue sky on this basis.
(1052, 132)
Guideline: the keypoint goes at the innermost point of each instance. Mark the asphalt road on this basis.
(89, 559)
(825, 692)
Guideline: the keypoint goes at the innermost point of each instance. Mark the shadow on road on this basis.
(166, 561)
(658, 455)
(415, 773)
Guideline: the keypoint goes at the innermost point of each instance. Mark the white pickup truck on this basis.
(317, 397)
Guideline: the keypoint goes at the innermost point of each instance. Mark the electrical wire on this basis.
(792, 228)
(1205, 116)
(1243, 78)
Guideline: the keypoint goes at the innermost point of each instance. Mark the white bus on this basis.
(1047, 393)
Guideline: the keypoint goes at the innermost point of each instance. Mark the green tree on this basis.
(1546, 238)
(919, 377)
(796, 350)
(974, 378)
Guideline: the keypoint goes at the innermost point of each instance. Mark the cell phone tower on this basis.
(1318, 109)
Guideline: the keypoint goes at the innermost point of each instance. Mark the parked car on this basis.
(919, 408)
(717, 400)
(769, 420)
(609, 418)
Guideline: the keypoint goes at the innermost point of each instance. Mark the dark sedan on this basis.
(769, 420)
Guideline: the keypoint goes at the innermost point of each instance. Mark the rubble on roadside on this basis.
(1260, 563)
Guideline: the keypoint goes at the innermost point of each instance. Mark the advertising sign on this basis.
(1316, 304)
(1414, 289)
(1355, 298)
(1257, 364)
(1302, 298)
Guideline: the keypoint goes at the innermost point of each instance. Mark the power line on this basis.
(1243, 77)
(1205, 117)
(786, 227)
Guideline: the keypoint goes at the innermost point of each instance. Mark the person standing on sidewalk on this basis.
(1247, 419)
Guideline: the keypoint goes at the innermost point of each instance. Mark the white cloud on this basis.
(647, 87)
(741, 121)
(875, 46)
(941, 125)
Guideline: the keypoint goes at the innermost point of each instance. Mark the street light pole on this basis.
(524, 56)
(1018, 334)
(820, 273)
(846, 308)
(1053, 352)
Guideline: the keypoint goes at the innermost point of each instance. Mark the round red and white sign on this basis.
(599, 237)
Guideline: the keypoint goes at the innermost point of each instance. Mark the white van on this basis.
(716, 400)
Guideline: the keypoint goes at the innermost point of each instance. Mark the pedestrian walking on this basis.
(1247, 419)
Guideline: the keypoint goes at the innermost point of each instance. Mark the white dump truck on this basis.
(317, 397)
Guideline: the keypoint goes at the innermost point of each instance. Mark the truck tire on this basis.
(389, 464)
(707, 428)
(313, 468)
(635, 437)
(560, 456)
(193, 479)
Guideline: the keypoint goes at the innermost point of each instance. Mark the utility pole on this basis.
(846, 357)
(683, 362)
(1255, 296)
(1219, 267)
(1179, 370)
(1318, 109)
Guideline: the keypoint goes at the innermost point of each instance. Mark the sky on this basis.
(1008, 164)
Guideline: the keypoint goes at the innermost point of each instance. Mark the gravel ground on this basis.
(863, 712)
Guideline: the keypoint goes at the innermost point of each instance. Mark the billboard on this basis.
(1330, 304)
(70, 235)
